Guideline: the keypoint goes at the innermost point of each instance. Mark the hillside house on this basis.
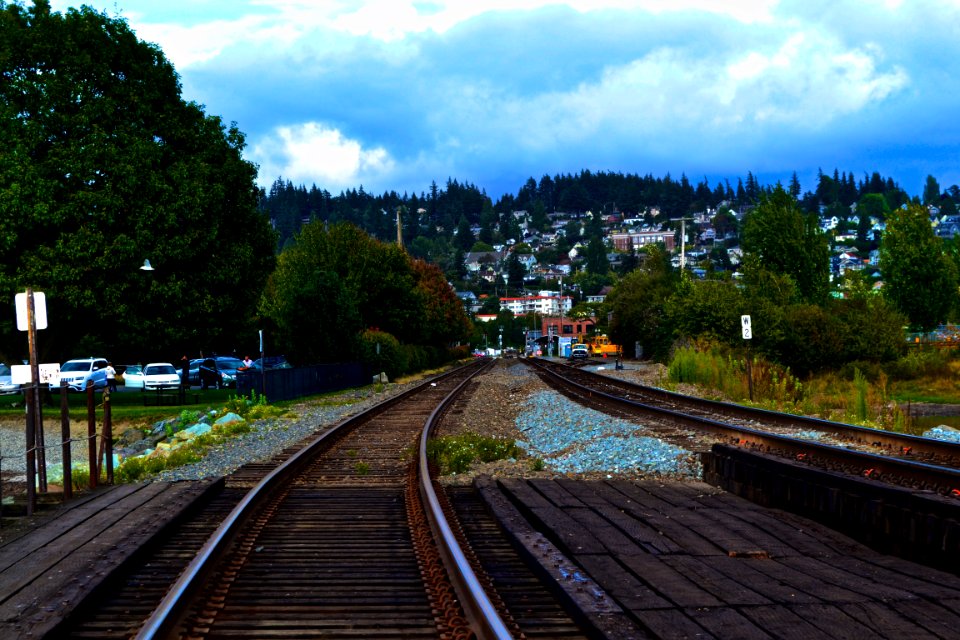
(623, 241)
(474, 261)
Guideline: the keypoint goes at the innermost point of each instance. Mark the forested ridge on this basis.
(438, 210)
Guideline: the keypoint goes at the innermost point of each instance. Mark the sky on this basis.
(392, 95)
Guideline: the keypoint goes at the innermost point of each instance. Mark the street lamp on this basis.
(146, 266)
(560, 328)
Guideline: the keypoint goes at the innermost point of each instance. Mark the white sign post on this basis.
(39, 311)
(22, 374)
(32, 315)
(748, 335)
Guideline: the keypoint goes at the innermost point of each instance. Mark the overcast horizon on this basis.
(394, 94)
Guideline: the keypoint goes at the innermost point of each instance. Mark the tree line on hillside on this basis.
(442, 212)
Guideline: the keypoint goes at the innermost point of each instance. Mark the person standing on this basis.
(111, 377)
(247, 362)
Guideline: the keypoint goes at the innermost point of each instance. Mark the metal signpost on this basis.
(748, 335)
(263, 367)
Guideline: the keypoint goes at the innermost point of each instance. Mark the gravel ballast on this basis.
(560, 437)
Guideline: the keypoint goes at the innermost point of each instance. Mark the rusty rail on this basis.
(171, 612)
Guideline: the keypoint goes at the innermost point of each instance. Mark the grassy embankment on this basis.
(870, 395)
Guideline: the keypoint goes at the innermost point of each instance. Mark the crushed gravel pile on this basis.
(573, 439)
(567, 439)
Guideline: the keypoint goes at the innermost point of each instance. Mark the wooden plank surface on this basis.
(687, 560)
(47, 572)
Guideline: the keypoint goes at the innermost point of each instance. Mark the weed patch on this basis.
(455, 454)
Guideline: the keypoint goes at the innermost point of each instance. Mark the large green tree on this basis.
(637, 306)
(334, 282)
(787, 241)
(919, 277)
(103, 165)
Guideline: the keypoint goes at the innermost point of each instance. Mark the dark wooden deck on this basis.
(46, 570)
(643, 559)
(687, 560)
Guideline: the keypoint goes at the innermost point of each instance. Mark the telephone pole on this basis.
(399, 230)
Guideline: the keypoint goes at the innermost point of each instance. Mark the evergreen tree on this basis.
(931, 191)
(794, 186)
(464, 238)
(597, 262)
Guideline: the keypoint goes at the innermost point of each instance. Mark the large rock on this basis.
(192, 432)
(228, 418)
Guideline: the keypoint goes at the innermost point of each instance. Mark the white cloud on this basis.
(390, 20)
(188, 45)
(806, 82)
(313, 153)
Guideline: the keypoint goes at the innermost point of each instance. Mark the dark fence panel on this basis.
(289, 384)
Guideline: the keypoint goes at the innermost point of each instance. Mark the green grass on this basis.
(124, 406)
(455, 454)
(873, 396)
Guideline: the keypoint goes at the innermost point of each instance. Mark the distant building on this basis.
(544, 305)
(623, 241)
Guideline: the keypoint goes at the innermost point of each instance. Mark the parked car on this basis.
(78, 372)
(204, 372)
(228, 369)
(579, 351)
(272, 362)
(160, 375)
(132, 375)
(6, 385)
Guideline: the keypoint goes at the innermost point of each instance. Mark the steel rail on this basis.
(480, 611)
(943, 479)
(892, 441)
(170, 612)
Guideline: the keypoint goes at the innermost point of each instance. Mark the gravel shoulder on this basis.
(495, 401)
(570, 441)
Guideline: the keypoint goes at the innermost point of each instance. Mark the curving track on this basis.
(345, 539)
(912, 461)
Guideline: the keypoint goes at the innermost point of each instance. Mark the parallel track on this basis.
(345, 549)
(922, 463)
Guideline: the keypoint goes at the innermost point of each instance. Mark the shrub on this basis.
(455, 454)
(709, 366)
(188, 417)
(243, 405)
(919, 363)
(392, 359)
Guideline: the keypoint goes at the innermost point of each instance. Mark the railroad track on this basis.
(910, 461)
(343, 537)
